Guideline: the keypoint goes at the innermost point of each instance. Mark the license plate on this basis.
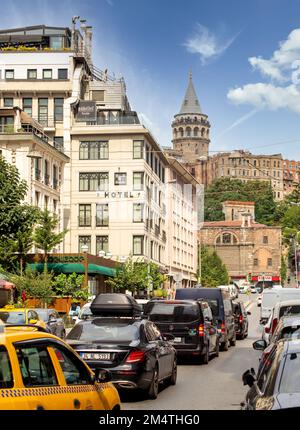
(177, 339)
(95, 356)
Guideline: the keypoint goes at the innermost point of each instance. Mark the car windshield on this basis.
(105, 331)
(291, 332)
(289, 310)
(43, 314)
(13, 317)
(84, 312)
(171, 312)
(290, 379)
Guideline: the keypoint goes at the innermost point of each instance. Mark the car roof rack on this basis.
(115, 305)
(3, 326)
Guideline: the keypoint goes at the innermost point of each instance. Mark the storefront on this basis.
(96, 270)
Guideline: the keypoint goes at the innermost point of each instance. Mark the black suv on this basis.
(241, 319)
(190, 322)
(221, 307)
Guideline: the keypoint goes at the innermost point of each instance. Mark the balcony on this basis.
(46, 179)
(111, 121)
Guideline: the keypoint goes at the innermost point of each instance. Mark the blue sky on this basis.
(241, 53)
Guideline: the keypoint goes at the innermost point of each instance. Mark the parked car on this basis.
(84, 313)
(231, 289)
(274, 295)
(288, 307)
(40, 371)
(253, 289)
(130, 347)
(54, 322)
(240, 319)
(221, 307)
(11, 315)
(259, 300)
(287, 328)
(277, 385)
(244, 289)
(142, 303)
(190, 322)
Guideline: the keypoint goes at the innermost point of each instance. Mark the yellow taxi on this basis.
(40, 371)
(11, 315)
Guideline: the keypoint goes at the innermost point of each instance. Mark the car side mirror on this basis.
(168, 337)
(259, 345)
(102, 376)
(248, 313)
(249, 377)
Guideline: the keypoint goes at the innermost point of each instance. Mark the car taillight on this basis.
(267, 329)
(274, 325)
(135, 357)
(241, 319)
(201, 330)
(223, 327)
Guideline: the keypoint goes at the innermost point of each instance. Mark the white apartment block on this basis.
(114, 185)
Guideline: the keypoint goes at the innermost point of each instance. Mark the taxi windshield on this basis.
(13, 317)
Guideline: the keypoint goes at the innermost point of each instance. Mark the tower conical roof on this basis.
(190, 103)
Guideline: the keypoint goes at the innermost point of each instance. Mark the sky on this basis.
(244, 56)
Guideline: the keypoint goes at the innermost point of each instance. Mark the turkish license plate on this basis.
(95, 356)
(177, 339)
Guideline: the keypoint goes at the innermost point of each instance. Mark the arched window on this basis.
(181, 132)
(196, 131)
(188, 131)
(175, 133)
(226, 239)
(202, 131)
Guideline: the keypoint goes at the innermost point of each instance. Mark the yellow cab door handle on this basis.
(76, 404)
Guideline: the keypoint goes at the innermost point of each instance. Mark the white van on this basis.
(282, 308)
(272, 296)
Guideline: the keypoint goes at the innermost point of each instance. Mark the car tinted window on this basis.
(263, 376)
(74, 371)
(6, 378)
(289, 310)
(290, 379)
(43, 314)
(289, 333)
(13, 317)
(214, 306)
(152, 332)
(227, 307)
(170, 312)
(36, 366)
(105, 331)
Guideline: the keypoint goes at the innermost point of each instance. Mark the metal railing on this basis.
(7, 128)
(55, 183)
(119, 120)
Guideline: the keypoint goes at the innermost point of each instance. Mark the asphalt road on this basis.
(217, 385)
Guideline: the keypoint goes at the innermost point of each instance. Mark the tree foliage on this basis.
(70, 285)
(213, 270)
(224, 189)
(38, 285)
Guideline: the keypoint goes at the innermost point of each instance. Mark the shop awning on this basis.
(6, 285)
(67, 268)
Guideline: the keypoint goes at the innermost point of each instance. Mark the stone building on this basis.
(247, 248)
(291, 175)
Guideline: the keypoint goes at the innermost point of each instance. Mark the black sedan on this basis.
(240, 319)
(54, 323)
(277, 385)
(132, 349)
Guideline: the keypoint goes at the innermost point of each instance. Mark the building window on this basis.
(93, 150)
(47, 73)
(37, 169)
(138, 209)
(102, 215)
(138, 149)
(138, 181)
(138, 245)
(43, 111)
(265, 240)
(101, 244)
(56, 42)
(59, 142)
(85, 215)
(84, 241)
(226, 238)
(55, 178)
(27, 105)
(9, 74)
(8, 101)
(31, 73)
(120, 178)
(62, 74)
(255, 262)
(46, 173)
(58, 109)
(270, 262)
(93, 181)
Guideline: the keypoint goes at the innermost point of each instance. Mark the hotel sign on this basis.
(119, 195)
(86, 111)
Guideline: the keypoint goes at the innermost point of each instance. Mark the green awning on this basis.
(67, 268)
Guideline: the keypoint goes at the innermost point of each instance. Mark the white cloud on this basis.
(206, 44)
(279, 68)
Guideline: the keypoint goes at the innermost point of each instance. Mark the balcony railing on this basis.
(119, 120)
(102, 222)
(48, 121)
(84, 221)
(157, 231)
(47, 179)
(7, 128)
(55, 183)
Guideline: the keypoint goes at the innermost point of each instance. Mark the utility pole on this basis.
(296, 262)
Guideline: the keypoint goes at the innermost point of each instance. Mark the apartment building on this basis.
(114, 201)
(291, 175)
(245, 166)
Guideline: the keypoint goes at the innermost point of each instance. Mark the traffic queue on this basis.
(114, 345)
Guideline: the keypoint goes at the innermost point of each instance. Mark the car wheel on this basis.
(217, 348)
(233, 340)
(225, 345)
(205, 357)
(153, 390)
(173, 377)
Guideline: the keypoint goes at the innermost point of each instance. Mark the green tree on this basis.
(70, 285)
(45, 235)
(16, 218)
(291, 218)
(213, 270)
(283, 270)
(224, 189)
